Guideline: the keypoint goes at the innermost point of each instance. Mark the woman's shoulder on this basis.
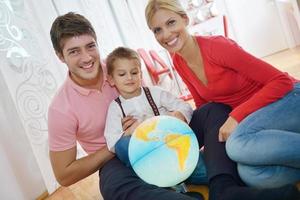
(209, 41)
(215, 46)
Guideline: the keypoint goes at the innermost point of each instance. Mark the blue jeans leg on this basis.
(199, 175)
(266, 144)
(121, 149)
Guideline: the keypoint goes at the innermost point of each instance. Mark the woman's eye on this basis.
(156, 30)
(172, 22)
(91, 46)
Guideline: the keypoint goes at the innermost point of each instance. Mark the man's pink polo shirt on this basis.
(79, 114)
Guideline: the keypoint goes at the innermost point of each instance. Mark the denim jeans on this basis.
(266, 144)
(118, 182)
(197, 177)
(121, 149)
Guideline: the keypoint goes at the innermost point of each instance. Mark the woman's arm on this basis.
(275, 83)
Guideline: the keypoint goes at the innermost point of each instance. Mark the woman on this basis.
(263, 125)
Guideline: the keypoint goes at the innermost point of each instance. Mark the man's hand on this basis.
(129, 124)
(178, 115)
(227, 128)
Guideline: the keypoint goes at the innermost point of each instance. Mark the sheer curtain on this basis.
(28, 82)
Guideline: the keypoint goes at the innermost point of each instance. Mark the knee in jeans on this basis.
(234, 148)
(256, 176)
(239, 144)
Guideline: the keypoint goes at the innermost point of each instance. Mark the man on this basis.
(78, 113)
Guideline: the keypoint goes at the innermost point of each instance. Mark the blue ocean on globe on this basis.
(163, 151)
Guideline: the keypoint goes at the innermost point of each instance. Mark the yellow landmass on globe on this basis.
(181, 144)
(143, 131)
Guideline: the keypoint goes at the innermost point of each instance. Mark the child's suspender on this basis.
(119, 102)
(149, 98)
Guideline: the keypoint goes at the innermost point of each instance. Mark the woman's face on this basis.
(169, 29)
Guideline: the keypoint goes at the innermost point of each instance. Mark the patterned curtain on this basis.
(29, 78)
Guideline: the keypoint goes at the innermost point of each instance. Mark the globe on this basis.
(163, 151)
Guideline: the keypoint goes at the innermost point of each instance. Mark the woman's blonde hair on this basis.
(155, 5)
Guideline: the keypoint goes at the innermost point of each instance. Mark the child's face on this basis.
(127, 77)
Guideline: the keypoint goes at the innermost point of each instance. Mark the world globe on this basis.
(163, 151)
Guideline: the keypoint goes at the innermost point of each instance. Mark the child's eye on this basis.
(121, 74)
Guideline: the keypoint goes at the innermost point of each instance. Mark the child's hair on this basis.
(155, 5)
(120, 53)
(69, 25)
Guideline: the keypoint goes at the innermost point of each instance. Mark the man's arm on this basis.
(68, 170)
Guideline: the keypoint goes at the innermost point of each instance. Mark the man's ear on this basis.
(110, 80)
(60, 56)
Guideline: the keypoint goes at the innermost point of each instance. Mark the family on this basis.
(247, 112)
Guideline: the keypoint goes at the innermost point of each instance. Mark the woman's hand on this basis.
(129, 124)
(178, 115)
(227, 128)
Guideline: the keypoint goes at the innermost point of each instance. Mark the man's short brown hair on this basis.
(69, 25)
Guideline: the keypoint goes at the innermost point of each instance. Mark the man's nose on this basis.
(85, 56)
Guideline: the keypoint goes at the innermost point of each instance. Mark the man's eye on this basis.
(73, 52)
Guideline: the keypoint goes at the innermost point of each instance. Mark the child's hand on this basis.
(129, 124)
(178, 115)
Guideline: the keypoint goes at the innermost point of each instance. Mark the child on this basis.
(124, 72)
